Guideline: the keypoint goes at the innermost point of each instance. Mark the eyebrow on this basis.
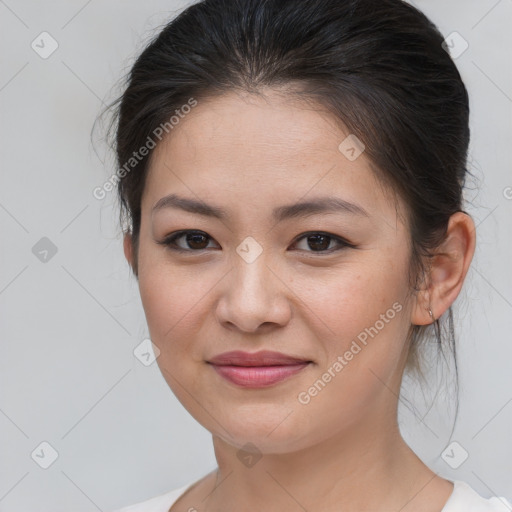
(326, 204)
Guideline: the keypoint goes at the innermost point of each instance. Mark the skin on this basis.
(343, 450)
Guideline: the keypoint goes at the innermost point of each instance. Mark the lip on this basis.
(257, 369)
(261, 358)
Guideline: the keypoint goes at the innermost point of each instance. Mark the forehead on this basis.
(252, 150)
(271, 125)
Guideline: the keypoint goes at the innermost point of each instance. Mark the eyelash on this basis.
(170, 241)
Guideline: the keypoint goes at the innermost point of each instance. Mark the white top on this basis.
(463, 499)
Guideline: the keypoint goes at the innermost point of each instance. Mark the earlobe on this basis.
(448, 268)
(128, 248)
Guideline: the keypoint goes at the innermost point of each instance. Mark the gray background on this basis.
(69, 324)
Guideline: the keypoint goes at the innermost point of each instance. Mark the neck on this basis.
(367, 468)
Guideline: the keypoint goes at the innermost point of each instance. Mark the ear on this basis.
(128, 248)
(449, 266)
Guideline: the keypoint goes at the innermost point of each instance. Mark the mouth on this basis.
(258, 376)
(256, 370)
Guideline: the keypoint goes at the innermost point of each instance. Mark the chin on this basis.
(276, 434)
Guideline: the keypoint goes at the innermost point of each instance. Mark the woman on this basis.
(291, 175)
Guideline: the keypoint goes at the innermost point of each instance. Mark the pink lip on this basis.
(258, 369)
(258, 376)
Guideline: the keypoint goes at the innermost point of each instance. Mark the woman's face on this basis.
(262, 277)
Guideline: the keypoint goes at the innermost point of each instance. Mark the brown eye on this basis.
(192, 240)
(196, 240)
(321, 242)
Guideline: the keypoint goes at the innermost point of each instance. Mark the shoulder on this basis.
(160, 503)
(465, 499)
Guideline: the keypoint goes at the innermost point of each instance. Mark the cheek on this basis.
(176, 299)
(171, 305)
(364, 322)
(169, 299)
(348, 301)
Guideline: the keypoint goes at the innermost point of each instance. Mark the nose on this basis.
(254, 298)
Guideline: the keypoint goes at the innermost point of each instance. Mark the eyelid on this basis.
(343, 243)
(169, 241)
